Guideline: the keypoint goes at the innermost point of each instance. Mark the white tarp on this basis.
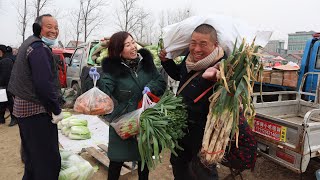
(99, 135)
(176, 37)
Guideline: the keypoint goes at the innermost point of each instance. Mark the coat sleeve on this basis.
(157, 84)
(172, 69)
(43, 78)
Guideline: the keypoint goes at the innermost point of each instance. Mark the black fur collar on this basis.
(114, 66)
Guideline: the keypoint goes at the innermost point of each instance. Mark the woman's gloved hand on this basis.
(146, 90)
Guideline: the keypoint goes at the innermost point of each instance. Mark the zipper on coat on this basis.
(132, 71)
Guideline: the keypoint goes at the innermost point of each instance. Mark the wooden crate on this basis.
(100, 155)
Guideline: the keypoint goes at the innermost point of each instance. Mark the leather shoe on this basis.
(13, 122)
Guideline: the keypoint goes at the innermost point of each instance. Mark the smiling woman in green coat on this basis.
(128, 73)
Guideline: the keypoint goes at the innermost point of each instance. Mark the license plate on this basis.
(270, 130)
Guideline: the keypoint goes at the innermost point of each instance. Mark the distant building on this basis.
(297, 41)
(294, 58)
(271, 59)
(276, 46)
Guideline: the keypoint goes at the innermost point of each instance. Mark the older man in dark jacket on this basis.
(36, 105)
(6, 64)
(196, 73)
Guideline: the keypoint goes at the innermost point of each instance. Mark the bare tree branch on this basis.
(22, 12)
(90, 15)
(39, 5)
(133, 19)
(127, 16)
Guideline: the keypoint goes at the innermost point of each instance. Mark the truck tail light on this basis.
(287, 157)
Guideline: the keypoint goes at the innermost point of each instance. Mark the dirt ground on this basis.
(11, 167)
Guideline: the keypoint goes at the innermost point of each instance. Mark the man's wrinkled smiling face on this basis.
(49, 28)
(201, 45)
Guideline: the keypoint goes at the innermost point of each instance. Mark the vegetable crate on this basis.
(101, 155)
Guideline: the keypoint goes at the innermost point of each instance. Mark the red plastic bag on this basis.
(153, 98)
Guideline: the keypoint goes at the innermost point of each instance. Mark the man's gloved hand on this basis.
(146, 90)
(56, 118)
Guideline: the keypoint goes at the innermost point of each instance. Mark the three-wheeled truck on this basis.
(288, 129)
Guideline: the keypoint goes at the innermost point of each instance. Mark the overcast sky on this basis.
(280, 16)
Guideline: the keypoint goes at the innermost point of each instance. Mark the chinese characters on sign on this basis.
(270, 130)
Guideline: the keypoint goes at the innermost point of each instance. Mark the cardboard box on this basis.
(266, 77)
(290, 75)
(289, 83)
(290, 78)
(277, 74)
(277, 81)
(276, 77)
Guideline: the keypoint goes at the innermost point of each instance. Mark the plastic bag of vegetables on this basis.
(74, 167)
(127, 125)
(94, 101)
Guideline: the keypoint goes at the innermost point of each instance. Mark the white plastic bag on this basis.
(177, 36)
(128, 125)
(3, 95)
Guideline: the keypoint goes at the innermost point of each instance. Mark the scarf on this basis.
(206, 62)
(132, 63)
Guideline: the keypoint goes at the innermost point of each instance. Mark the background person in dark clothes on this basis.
(6, 64)
(10, 53)
(36, 107)
(205, 52)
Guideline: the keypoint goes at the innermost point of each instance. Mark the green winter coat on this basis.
(126, 86)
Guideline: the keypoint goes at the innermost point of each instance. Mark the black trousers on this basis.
(39, 138)
(115, 168)
(182, 164)
(5, 105)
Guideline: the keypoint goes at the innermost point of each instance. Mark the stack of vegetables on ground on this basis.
(232, 93)
(74, 167)
(74, 128)
(161, 127)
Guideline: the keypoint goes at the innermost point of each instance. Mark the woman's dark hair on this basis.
(116, 43)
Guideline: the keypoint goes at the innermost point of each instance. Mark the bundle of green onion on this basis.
(161, 127)
(232, 93)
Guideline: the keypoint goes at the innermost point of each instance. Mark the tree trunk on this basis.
(24, 24)
(38, 8)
